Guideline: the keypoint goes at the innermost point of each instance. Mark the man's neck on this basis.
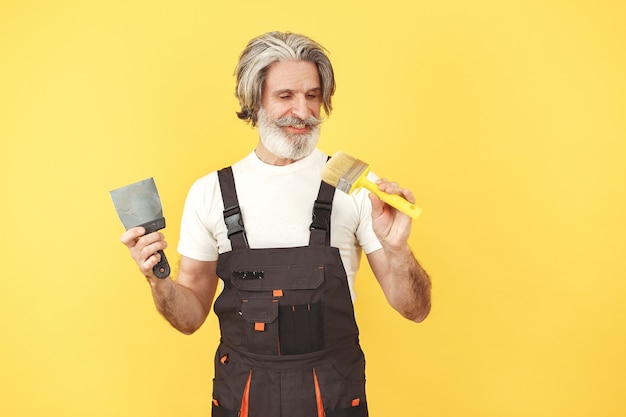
(269, 158)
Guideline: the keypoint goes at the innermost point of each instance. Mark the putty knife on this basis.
(138, 204)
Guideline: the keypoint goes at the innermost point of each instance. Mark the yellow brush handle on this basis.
(394, 200)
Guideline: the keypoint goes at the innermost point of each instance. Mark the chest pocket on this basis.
(281, 308)
(300, 280)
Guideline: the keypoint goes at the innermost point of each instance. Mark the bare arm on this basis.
(405, 283)
(186, 302)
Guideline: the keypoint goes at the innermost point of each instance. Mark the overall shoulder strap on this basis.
(320, 227)
(232, 213)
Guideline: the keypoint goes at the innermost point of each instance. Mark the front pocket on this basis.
(259, 310)
(219, 411)
(342, 384)
(260, 325)
(359, 410)
(301, 329)
(229, 384)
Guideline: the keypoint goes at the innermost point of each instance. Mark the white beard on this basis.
(285, 145)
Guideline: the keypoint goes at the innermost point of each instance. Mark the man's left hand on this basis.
(391, 226)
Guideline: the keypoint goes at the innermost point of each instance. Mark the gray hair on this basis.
(265, 50)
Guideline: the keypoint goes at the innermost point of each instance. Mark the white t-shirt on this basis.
(276, 205)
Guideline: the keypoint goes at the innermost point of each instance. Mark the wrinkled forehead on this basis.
(294, 76)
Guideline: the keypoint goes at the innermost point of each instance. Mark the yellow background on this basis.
(506, 118)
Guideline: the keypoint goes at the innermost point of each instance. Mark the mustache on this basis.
(310, 121)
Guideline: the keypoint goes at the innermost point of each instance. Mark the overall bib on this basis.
(289, 341)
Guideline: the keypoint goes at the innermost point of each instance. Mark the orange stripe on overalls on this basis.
(243, 411)
(318, 396)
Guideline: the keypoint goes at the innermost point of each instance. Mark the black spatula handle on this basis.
(162, 269)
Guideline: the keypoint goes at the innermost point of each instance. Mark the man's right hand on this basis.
(144, 249)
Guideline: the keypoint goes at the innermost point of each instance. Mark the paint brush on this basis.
(347, 173)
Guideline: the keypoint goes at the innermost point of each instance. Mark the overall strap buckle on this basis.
(232, 212)
(234, 222)
(321, 215)
(322, 209)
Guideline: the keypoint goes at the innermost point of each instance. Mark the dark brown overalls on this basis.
(289, 345)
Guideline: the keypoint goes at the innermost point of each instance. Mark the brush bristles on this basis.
(342, 170)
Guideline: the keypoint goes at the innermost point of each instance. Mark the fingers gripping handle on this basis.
(394, 200)
(399, 203)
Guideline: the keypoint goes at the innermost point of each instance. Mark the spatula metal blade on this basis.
(139, 204)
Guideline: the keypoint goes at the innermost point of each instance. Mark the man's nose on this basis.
(301, 108)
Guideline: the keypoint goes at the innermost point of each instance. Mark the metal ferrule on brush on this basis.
(351, 176)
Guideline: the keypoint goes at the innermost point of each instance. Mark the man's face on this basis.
(289, 117)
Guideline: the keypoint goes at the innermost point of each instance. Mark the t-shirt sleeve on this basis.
(364, 233)
(197, 231)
